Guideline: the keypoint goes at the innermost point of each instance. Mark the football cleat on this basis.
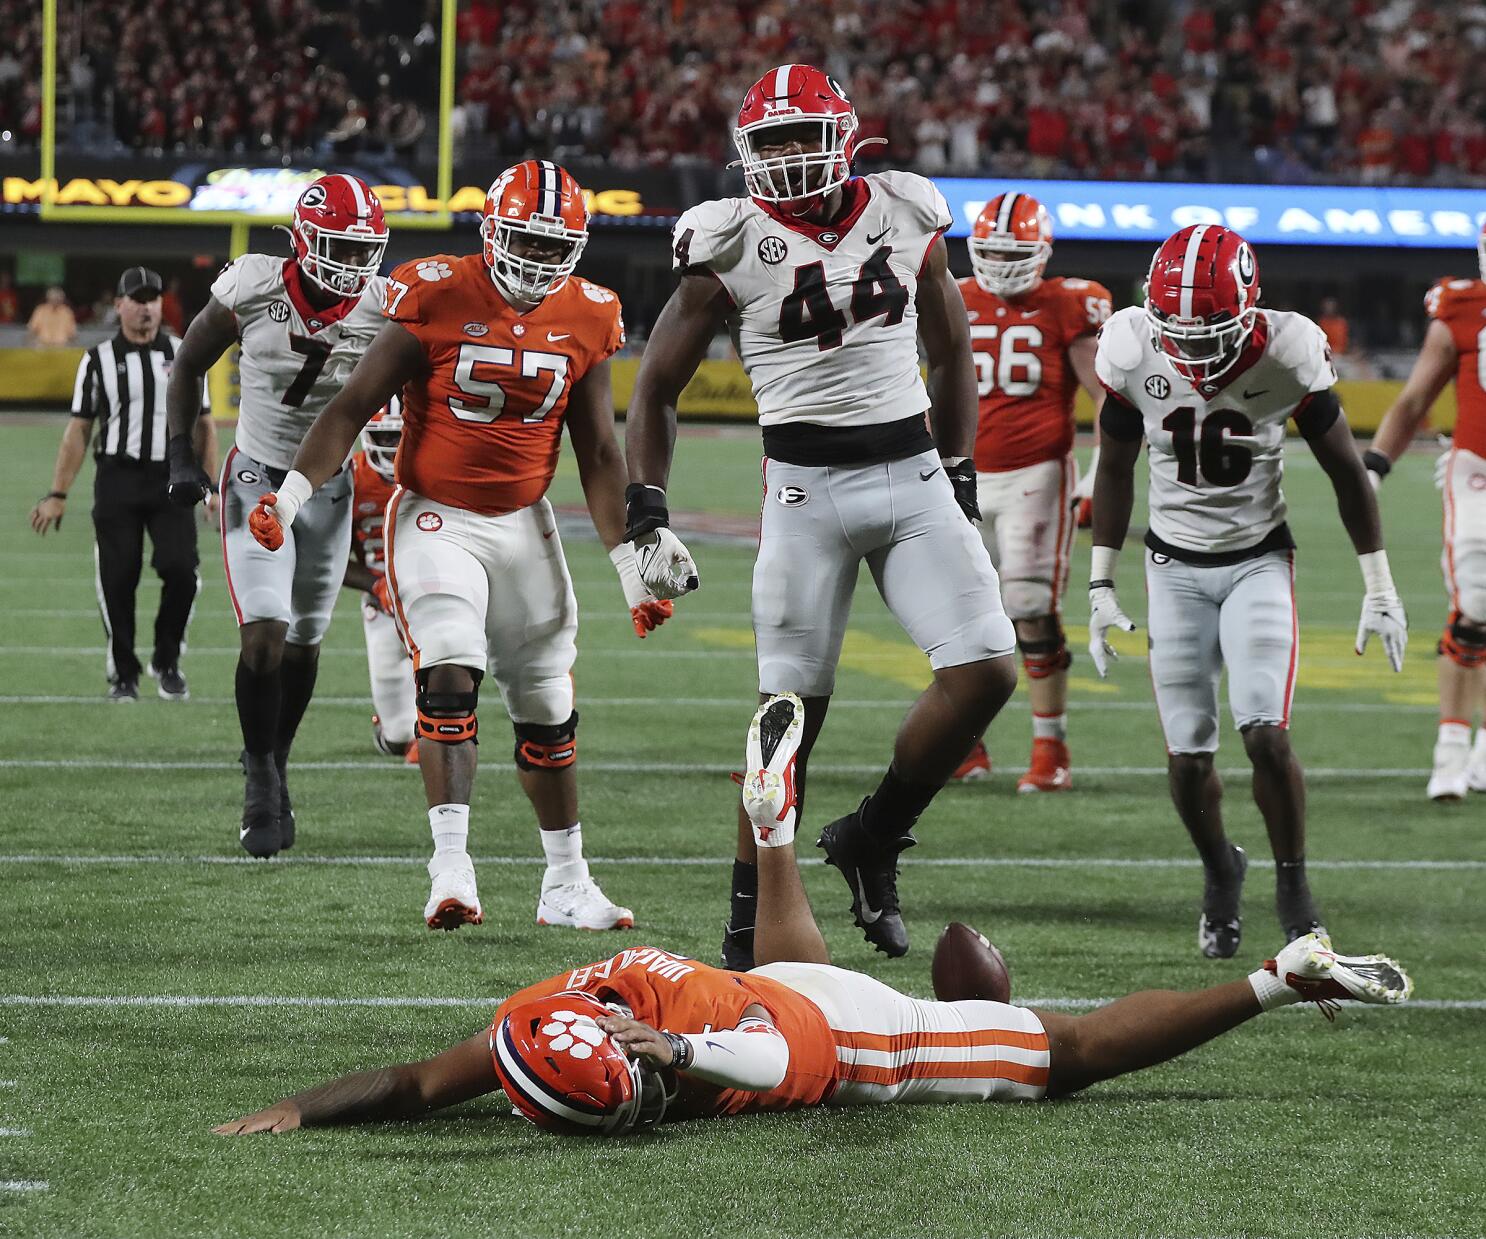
(1292, 932)
(769, 784)
(1450, 778)
(1475, 772)
(453, 900)
(286, 809)
(737, 948)
(1049, 769)
(169, 683)
(259, 833)
(1220, 928)
(579, 903)
(1318, 974)
(977, 765)
(123, 690)
(870, 868)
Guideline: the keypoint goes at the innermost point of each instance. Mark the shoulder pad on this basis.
(709, 235)
(1123, 344)
(1447, 295)
(247, 279)
(1300, 347)
(919, 194)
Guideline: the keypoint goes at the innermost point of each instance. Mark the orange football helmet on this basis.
(534, 226)
(380, 437)
(1010, 244)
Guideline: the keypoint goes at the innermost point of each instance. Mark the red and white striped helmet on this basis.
(1202, 299)
(381, 437)
(339, 234)
(535, 199)
(1010, 243)
(564, 1073)
(794, 95)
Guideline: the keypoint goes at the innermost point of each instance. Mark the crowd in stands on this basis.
(1381, 91)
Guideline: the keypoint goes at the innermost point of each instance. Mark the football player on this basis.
(393, 691)
(827, 282)
(1034, 348)
(1209, 380)
(302, 323)
(493, 353)
(1452, 350)
(649, 1036)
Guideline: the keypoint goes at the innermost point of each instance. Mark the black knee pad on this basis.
(448, 718)
(546, 746)
(1046, 655)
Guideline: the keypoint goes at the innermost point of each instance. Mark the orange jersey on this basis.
(1461, 306)
(1025, 382)
(680, 995)
(368, 507)
(483, 426)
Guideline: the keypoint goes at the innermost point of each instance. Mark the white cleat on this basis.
(579, 904)
(1450, 778)
(1475, 772)
(769, 782)
(1318, 974)
(453, 901)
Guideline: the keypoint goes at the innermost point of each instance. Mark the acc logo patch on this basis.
(792, 496)
(279, 312)
(772, 250)
(475, 329)
(429, 522)
(1159, 386)
(248, 477)
(577, 1034)
(434, 271)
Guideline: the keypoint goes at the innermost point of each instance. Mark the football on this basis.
(966, 965)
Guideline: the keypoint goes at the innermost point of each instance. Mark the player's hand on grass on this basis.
(665, 565)
(48, 514)
(264, 523)
(1383, 616)
(278, 1118)
(1105, 613)
(646, 612)
(637, 1040)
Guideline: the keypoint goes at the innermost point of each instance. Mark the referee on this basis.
(119, 399)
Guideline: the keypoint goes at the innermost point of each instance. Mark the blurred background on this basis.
(1348, 141)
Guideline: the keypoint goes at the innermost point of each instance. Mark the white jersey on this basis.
(1216, 453)
(294, 357)
(824, 319)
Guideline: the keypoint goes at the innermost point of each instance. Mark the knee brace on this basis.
(546, 746)
(1050, 654)
(448, 718)
(1463, 641)
(1027, 600)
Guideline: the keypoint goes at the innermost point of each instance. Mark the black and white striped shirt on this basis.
(121, 386)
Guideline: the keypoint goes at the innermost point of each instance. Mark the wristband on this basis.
(644, 509)
(1376, 462)
(55, 494)
(681, 1050)
(292, 496)
(1376, 575)
(1102, 566)
(950, 462)
(1106, 582)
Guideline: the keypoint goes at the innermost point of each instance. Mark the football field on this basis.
(155, 981)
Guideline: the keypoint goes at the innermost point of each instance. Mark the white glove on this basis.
(1085, 488)
(1105, 613)
(666, 566)
(1442, 463)
(1382, 610)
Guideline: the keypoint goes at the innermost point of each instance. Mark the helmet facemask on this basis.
(341, 263)
(794, 180)
(1200, 350)
(524, 278)
(379, 441)
(1006, 265)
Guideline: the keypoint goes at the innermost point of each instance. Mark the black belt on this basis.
(1277, 539)
(805, 443)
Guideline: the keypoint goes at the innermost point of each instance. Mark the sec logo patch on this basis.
(792, 496)
(279, 312)
(430, 522)
(1159, 386)
(772, 250)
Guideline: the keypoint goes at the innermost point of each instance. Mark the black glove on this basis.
(188, 483)
(961, 476)
(645, 510)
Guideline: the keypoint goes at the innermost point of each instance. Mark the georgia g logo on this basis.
(1245, 264)
(312, 197)
(576, 1034)
(792, 496)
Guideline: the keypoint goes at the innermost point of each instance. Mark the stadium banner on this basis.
(1265, 214)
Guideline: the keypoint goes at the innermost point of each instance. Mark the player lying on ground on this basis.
(1209, 380)
(648, 1035)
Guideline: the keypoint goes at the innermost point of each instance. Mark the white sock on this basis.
(1455, 733)
(1050, 726)
(1271, 991)
(450, 824)
(564, 849)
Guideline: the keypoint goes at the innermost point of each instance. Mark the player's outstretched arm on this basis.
(753, 1057)
(71, 452)
(403, 1092)
(210, 335)
(1433, 369)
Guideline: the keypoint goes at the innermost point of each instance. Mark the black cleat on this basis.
(1220, 928)
(123, 690)
(870, 868)
(737, 948)
(169, 682)
(1300, 929)
(286, 810)
(262, 795)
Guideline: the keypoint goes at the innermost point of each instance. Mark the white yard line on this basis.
(18, 1132)
(23, 1185)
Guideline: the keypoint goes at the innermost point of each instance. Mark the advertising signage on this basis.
(1265, 214)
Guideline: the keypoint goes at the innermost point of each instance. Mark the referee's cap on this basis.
(140, 283)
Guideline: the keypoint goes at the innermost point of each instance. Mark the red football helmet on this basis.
(339, 234)
(807, 102)
(380, 437)
(1202, 298)
(562, 1072)
(1010, 244)
(534, 225)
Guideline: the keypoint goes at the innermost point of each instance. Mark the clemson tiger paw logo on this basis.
(434, 271)
(577, 1034)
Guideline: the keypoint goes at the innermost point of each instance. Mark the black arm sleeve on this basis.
(1120, 419)
(1317, 413)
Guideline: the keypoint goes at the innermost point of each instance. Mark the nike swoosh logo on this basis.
(1249, 395)
(341, 499)
(548, 534)
(871, 240)
(868, 913)
(924, 477)
(1031, 313)
(553, 337)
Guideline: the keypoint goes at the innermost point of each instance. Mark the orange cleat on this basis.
(1049, 771)
(976, 766)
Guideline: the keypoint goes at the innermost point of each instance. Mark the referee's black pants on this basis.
(128, 500)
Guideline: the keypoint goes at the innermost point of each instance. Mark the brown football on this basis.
(966, 965)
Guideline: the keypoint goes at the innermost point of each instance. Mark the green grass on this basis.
(1290, 1126)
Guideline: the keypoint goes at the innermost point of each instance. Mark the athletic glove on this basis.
(188, 484)
(1105, 611)
(961, 474)
(665, 565)
(646, 612)
(381, 595)
(1378, 467)
(277, 509)
(1382, 610)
